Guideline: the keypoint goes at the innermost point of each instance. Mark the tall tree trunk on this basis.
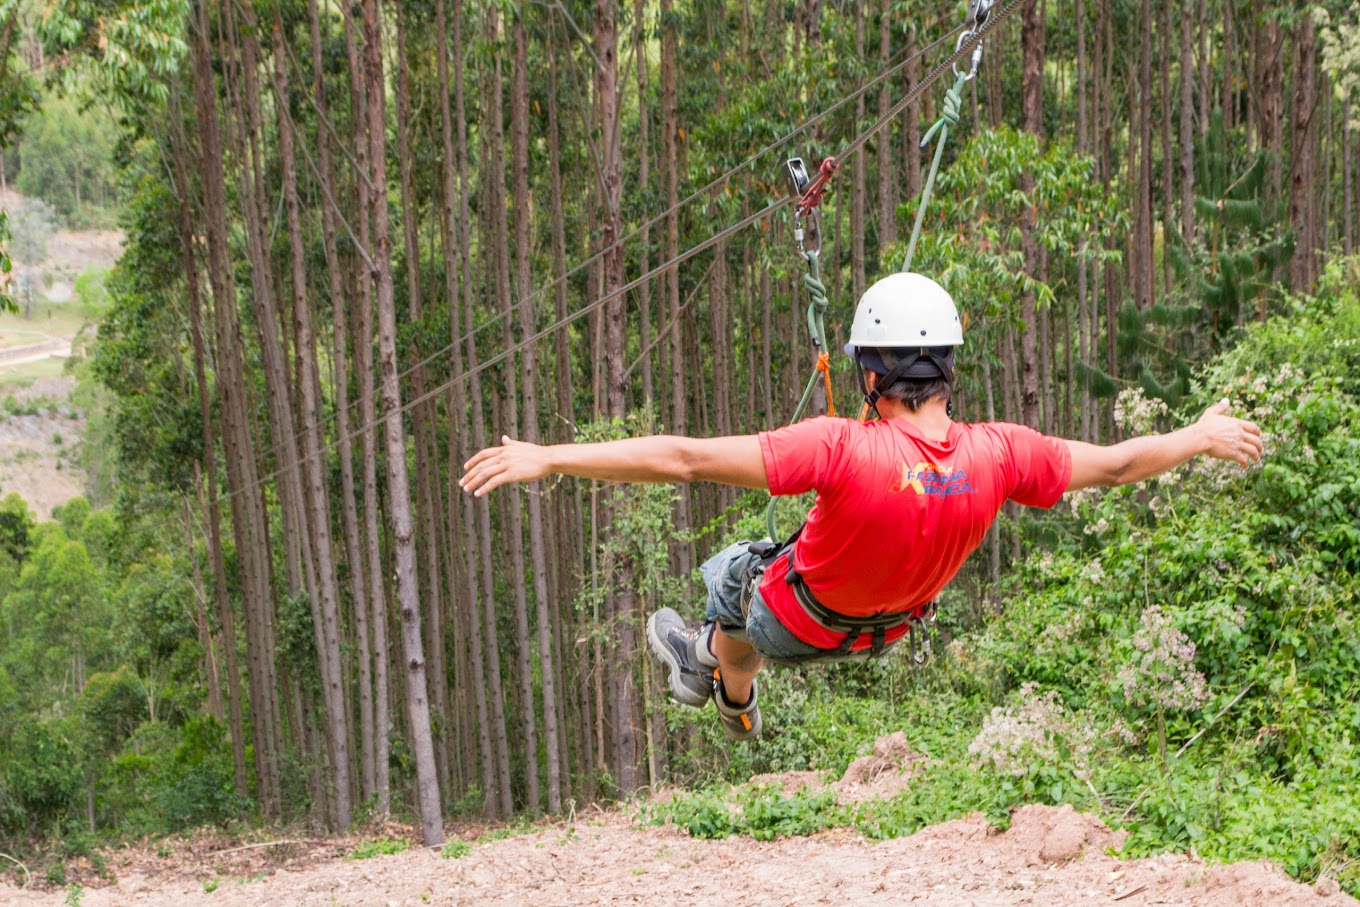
(911, 120)
(1271, 105)
(213, 532)
(313, 464)
(248, 527)
(564, 378)
(670, 129)
(887, 183)
(1144, 281)
(496, 696)
(499, 250)
(428, 504)
(340, 302)
(1032, 87)
(538, 549)
(605, 40)
(859, 189)
(1303, 268)
(363, 355)
(399, 494)
(450, 164)
(644, 191)
(1168, 194)
(1187, 116)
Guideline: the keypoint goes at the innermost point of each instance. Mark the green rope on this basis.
(949, 118)
(816, 315)
(816, 312)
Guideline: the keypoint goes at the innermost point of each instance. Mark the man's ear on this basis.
(870, 380)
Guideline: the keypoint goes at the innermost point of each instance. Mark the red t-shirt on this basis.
(896, 513)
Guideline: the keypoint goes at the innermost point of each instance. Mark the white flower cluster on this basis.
(1162, 672)
(1136, 413)
(1015, 737)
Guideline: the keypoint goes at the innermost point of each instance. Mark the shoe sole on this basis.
(679, 691)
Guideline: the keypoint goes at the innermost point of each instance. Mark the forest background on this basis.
(364, 241)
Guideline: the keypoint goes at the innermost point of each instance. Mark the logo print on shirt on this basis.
(931, 479)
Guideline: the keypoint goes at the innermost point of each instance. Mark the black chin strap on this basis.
(921, 363)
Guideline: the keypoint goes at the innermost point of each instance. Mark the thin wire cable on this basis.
(533, 338)
(963, 50)
(542, 291)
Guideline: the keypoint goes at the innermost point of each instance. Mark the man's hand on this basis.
(1229, 438)
(1216, 434)
(513, 461)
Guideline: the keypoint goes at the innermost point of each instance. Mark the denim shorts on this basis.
(732, 577)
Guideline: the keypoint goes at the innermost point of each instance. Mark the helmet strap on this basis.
(901, 368)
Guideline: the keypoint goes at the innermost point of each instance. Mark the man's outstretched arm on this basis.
(662, 459)
(1215, 433)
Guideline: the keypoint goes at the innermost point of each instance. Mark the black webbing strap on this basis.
(924, 362)
(877, 625)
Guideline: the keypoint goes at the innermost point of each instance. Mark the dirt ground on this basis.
(1049, 856)
(36, 449)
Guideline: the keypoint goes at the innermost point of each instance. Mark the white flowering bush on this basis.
(1137, 413)
(1034, 731)
(1162, 673)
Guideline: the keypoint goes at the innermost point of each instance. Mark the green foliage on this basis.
(1240, 244)
(167, 778)
(6, 263)
(1067, 695)
(40, 774)
(120, 52)
(30, 227)
(455, 849)
(92, 292)
(761, 811)
(377, 847)
(66, 159)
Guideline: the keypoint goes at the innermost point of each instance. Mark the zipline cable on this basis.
(809, 194)
(533, 338)
(963, 50)
(543, 290)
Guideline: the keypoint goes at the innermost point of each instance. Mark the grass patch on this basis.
(377, 847)
(453, 850)
(25, 373)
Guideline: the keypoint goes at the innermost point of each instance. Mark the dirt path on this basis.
(1049, 856)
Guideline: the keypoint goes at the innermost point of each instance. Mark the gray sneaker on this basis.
(739, 722)
(684, 651)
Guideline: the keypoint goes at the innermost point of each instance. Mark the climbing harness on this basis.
(808, 193)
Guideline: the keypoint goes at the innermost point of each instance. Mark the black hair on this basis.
(913, 393)
(926, 379)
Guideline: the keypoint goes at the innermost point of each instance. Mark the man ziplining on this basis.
(900, 502)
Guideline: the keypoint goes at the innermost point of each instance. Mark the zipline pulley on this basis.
(978, 11)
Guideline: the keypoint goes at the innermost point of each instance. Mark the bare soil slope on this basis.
(1049, 856)
(36, 448)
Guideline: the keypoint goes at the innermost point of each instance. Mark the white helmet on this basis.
(905, 310)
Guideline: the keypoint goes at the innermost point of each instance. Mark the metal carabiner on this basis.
(977, 56)
(920, 624)
(799, 233)
(978, 13)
